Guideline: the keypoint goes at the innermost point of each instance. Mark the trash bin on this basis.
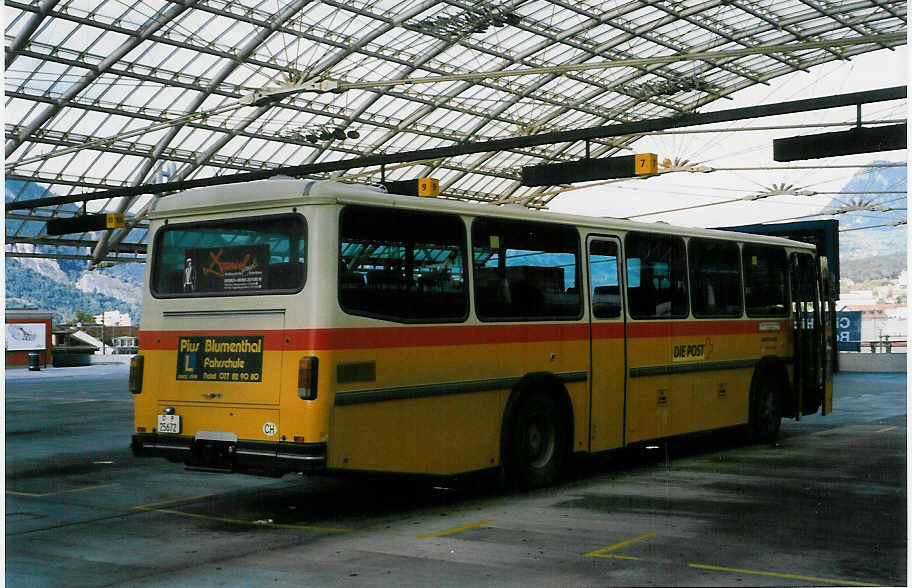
(34, 361)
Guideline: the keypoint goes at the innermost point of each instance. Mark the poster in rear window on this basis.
(226, 269)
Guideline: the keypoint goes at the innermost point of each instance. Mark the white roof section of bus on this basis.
(283, 193)
(276, 191)
(98, 94)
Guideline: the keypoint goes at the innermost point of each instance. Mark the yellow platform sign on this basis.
(646, 164)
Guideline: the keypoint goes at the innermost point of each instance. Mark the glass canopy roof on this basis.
(107, 94)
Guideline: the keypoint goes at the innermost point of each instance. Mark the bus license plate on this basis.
(169, 423)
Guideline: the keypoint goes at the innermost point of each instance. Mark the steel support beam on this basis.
(645, 126)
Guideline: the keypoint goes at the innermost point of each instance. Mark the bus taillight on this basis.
(136, 374)
(307, 378)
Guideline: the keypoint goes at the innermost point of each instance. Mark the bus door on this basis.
(656, 286)
(809, 353)
(607, 346)
(828, 311)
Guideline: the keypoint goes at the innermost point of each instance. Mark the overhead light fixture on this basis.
(668, 87)
(476, 19)
(779, 190)
(682, 165)
(860, 205)
(314, 135)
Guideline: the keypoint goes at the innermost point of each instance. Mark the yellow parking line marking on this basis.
(603, 552)
(70, 491)
(779, 575)
(154, 505)
(455, 529)
(885, 429)
(612, 556)
(194, 515)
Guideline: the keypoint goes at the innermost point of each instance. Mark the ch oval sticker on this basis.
(270, 429)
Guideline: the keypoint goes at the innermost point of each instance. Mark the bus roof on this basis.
(282, 191)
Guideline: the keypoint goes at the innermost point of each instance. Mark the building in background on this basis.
(125, 345)
(113, 318)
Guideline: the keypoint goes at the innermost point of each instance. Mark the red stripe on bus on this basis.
(168, 339)
(385, 337)
(641, 330)
(608, 330)
(437, 336)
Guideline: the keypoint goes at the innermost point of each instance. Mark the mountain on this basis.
(63, 286)
(880, 267)
(879, 186)
(25, 191)
(40, 285)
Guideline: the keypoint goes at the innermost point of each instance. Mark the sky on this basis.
(726, 148)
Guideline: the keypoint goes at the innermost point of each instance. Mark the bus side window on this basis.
(402, 265)
(765, 280)
(525, 270)
(606, 291)
(656, 276)
(715, 278)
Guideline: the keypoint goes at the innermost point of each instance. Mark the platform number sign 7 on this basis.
(646, 164)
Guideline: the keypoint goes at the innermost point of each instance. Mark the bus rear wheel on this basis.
(535, 444)
(766, 414)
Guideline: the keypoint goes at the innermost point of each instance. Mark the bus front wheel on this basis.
(536, 441)
(766, 414)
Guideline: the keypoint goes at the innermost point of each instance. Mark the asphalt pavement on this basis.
(824, 506)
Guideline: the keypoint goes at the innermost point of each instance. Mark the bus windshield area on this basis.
(230, 257)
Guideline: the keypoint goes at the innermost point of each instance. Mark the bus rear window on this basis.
(264, 255)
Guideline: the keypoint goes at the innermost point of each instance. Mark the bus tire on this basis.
(765, 409)
(535, 443)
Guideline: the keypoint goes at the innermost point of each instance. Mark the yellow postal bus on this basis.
(301, 326)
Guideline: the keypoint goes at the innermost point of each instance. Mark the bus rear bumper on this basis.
(233, 456)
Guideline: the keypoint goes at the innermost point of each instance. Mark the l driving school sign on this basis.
(220, 358)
